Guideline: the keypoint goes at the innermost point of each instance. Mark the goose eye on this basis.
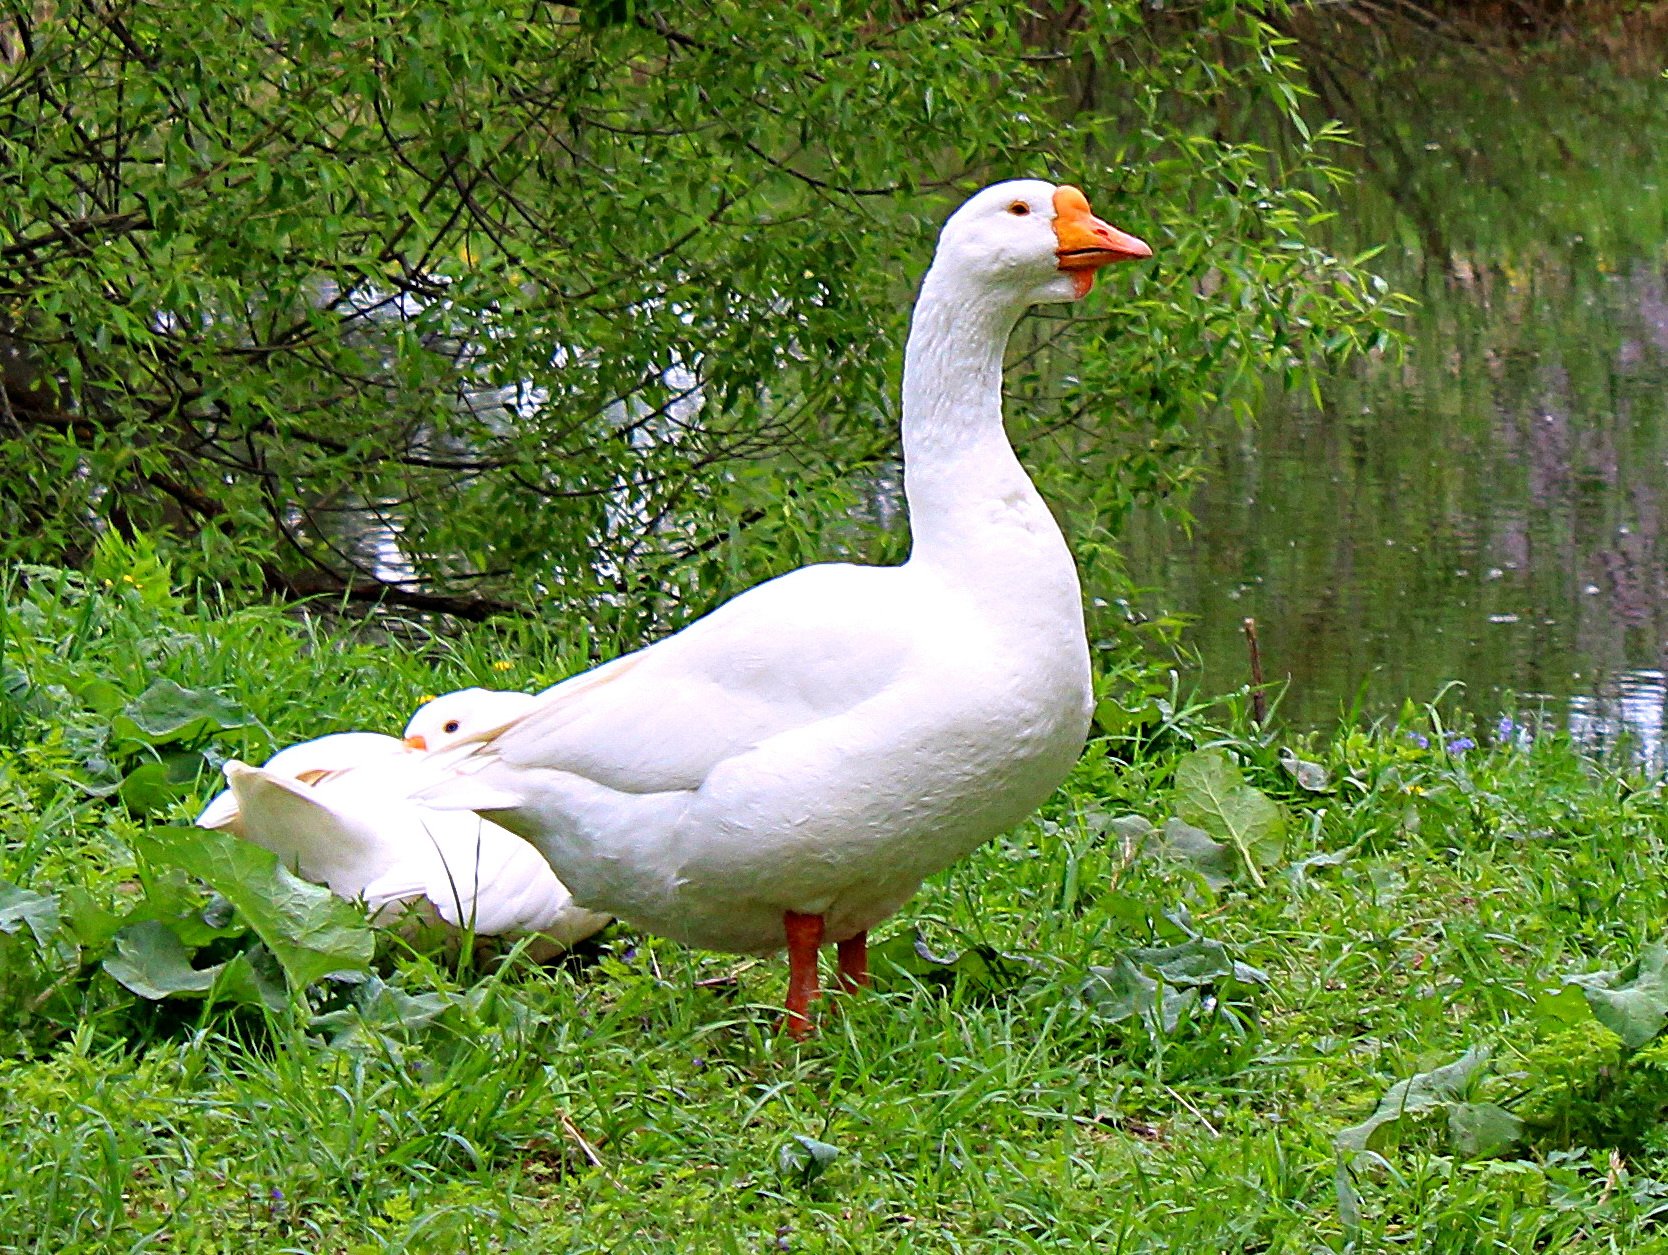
(1019, 209)
(451, 726)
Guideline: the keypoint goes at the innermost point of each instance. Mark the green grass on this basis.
(637, 1096)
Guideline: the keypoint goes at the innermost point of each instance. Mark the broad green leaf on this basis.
(977, 966)
(88, 922)
(1198, 961)
(147, 789)
(1132, 831)
(1121, 991)
(252, 978)
(310, 930)
(1216, 862)
(1567, 1007)
(155, 964)
(1631, 1003)
(380, 1008)
(1213, 795)
(1113, 718)
(1419, 1093)
(1481, 1130)
(166, 712)
(20, 907)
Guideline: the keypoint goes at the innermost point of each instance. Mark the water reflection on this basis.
(1489, 510)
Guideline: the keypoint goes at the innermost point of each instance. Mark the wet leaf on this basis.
(310, 930)
(1213, 796)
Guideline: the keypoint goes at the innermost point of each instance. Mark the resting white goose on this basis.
(339, 811)
(787, 769)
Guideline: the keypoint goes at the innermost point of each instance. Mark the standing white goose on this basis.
(788, 769)
(339, 811)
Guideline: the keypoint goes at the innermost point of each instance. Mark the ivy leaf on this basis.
(310, 930)
(1215, 797)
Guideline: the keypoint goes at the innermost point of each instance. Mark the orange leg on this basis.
(854, 962)
(804, 938)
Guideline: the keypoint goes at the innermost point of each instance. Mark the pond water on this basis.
(1491, 508)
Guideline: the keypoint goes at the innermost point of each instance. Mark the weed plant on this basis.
(1230, 990)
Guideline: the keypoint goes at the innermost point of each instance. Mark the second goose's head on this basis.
(453, 718)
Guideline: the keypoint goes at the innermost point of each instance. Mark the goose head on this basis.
(453, 718)
(1034, 241)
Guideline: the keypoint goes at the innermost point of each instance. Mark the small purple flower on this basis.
(1419, 739)
(1505, 727)
(1460, 744)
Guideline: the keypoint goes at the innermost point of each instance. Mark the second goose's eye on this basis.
(451, 726)
(1019, 209)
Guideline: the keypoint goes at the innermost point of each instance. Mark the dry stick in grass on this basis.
(1259, 703)
(589, 1151)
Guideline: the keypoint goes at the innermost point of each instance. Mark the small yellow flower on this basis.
(503, 664)
(425, 699)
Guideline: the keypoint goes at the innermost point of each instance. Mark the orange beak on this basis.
(417, 741)
(1087, 243)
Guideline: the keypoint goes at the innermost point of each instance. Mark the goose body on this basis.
(789, 768)
(339, 811)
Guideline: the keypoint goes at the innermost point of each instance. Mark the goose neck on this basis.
(952, 378)
(960, 473)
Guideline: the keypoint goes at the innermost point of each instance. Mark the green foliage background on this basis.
(600, 307)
